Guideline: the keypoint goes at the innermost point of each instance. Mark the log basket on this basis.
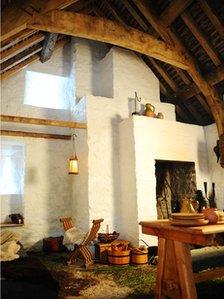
(107, 238)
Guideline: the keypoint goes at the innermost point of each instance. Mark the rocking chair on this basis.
(82, 252)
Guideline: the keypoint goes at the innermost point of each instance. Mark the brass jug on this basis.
(149, 110)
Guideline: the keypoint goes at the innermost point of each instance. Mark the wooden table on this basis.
(175, 277)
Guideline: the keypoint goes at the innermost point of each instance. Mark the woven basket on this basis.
(107, 238)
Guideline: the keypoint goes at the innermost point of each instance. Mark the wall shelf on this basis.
(11, 224)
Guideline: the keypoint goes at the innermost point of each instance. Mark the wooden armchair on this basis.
(82, 252)
(67, 223)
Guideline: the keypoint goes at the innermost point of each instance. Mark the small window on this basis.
(11, 169)
(47, 91)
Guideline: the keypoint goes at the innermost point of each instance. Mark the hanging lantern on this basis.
(73, 161)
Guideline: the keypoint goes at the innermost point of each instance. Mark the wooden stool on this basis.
(102, 252)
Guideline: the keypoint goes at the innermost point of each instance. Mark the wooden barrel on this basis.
(120, 258)
(138, 258)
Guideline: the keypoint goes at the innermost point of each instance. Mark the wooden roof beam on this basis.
(42, 121)
(21, 58)
(175, 9)
(213, 17)
(107, 31)
(164, 74)
(22, 46)
(212, 78)
(215, 103)
(17, 14)
(14, 70)
(15, 39)
(28, 61)
(34, 135)
(178, 108)
(113, 11)
(135, 15)
(188, 20)
(48, 46)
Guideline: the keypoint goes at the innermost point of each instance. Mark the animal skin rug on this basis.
(9, 246)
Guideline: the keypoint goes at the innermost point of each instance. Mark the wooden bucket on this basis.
(138, 258)
(120, 258)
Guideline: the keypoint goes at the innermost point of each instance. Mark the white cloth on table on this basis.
(73, 236)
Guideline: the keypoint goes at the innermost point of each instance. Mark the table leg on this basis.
(184, 267)
(174, 271)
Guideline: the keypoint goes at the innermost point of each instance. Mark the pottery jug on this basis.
(149, 110)
(160, 115)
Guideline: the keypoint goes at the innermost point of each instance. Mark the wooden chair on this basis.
(82, 252)
(67, 223)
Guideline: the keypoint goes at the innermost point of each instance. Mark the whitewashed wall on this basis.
(216, 172)
(47, 190)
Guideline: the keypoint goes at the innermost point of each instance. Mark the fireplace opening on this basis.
(175, 181)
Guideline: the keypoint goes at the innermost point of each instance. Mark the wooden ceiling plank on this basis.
(48, 46)
(113, 11)
(178, 109)
(21, 59)
(188, 20)
(34, 135)
(22, 46)
(212, 78)
(175, 9)
(164, 74)
(197, 116)
(135, 15)
(42, 121)
(17, 14)
(182, 75)
(107, 31)
(183, 115)
(15, 39)
(19, 67)
(216, 76)
(203, 103)
(27, 62)
(212, 16)
(215, 103)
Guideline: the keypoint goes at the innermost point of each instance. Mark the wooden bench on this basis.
(208, 263)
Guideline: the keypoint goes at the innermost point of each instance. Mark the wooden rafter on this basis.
(20, 66)
(213, 17)
(178, 99)
(42, 121)
(107, 31)
(48, 46)
(212, 98)
(15, 39)
(135, 15)
(34, 135)
(22, 46)
(17, 14)
(175, 9)
(30, 52)
(164, 74)
(178, 7)
(188, 20)
(113, 11)
(212, 78)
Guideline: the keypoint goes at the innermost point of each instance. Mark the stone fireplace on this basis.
(174, 181)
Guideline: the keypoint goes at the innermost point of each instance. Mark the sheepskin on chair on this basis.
(9, 246)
